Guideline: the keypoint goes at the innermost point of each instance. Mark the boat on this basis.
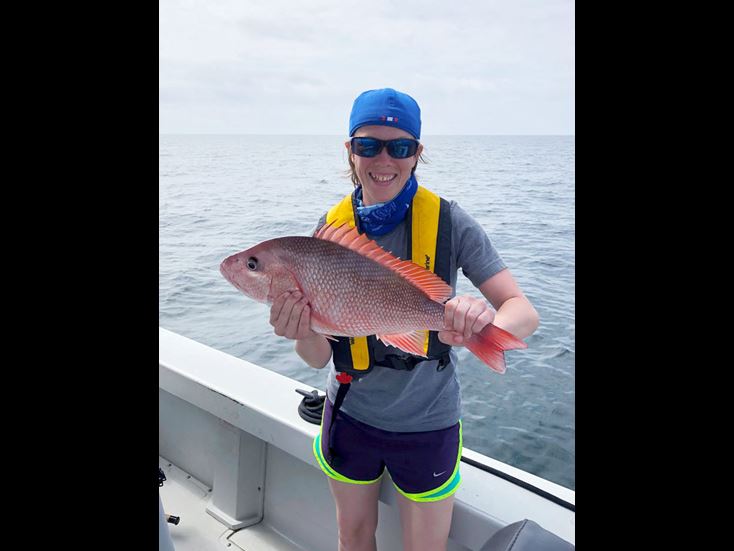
(237, 470)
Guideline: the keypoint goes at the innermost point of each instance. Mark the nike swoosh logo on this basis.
(439, 474)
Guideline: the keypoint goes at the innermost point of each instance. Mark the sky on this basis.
(295, 66)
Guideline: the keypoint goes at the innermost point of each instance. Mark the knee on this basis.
(356, 535)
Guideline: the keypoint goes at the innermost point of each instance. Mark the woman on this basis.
(402, 413)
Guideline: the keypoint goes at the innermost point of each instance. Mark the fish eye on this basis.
(252, 263)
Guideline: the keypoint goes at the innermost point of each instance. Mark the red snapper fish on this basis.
(356, 288)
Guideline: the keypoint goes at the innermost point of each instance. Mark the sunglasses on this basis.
(402, 148)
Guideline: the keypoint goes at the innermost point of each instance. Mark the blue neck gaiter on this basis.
(382, 218)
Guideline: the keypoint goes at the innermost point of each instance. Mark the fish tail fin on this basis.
(489, 346)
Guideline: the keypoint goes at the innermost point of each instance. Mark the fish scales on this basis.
(351, 295)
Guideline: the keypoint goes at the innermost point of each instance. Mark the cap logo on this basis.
(388, 119)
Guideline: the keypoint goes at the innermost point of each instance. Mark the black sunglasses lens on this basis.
(402, 149)
(366, 147)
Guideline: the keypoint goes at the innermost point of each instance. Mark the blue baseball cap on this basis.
(386, 107)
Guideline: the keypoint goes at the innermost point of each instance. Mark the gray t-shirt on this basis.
(424, 398)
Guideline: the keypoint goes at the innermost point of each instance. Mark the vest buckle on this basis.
(344, 378)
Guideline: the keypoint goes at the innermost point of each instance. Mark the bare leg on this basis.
(425, 525)
(356, 514)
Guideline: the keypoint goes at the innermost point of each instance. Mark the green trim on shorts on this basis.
(446, 489)
(327, 468)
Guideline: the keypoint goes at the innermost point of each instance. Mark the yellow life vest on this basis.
(429, 245)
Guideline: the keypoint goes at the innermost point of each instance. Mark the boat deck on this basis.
(187, 498)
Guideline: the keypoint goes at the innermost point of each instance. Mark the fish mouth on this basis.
(229, 269)
(224, 269)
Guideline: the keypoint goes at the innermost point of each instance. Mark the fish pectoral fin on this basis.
(331, 338)
(407, 342)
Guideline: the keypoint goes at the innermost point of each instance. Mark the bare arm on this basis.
(514, 313)
(290, 316)
(315, 351)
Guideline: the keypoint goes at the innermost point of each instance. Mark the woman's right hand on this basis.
(290, 316)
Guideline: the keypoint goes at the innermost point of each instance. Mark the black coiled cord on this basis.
(311, 407)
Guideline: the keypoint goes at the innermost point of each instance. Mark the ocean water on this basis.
(219, 194)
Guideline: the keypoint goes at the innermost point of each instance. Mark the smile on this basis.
(383, 178)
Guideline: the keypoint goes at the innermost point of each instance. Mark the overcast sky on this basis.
(295, 66)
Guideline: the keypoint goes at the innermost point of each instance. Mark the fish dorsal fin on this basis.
(433, 286)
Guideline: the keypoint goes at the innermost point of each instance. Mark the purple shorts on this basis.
(424, 466)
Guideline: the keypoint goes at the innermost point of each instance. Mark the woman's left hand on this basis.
(464, 316)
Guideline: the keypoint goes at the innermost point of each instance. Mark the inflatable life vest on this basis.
(429, 245)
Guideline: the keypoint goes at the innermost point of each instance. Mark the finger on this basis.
(304, 324)
(291, 329)
(277, 307)
(451, 338)
(484, 319)
(460, 316)
(449, 312)
(475, 310)
(281, 323)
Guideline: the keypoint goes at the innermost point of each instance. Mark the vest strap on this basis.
(333, 458)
